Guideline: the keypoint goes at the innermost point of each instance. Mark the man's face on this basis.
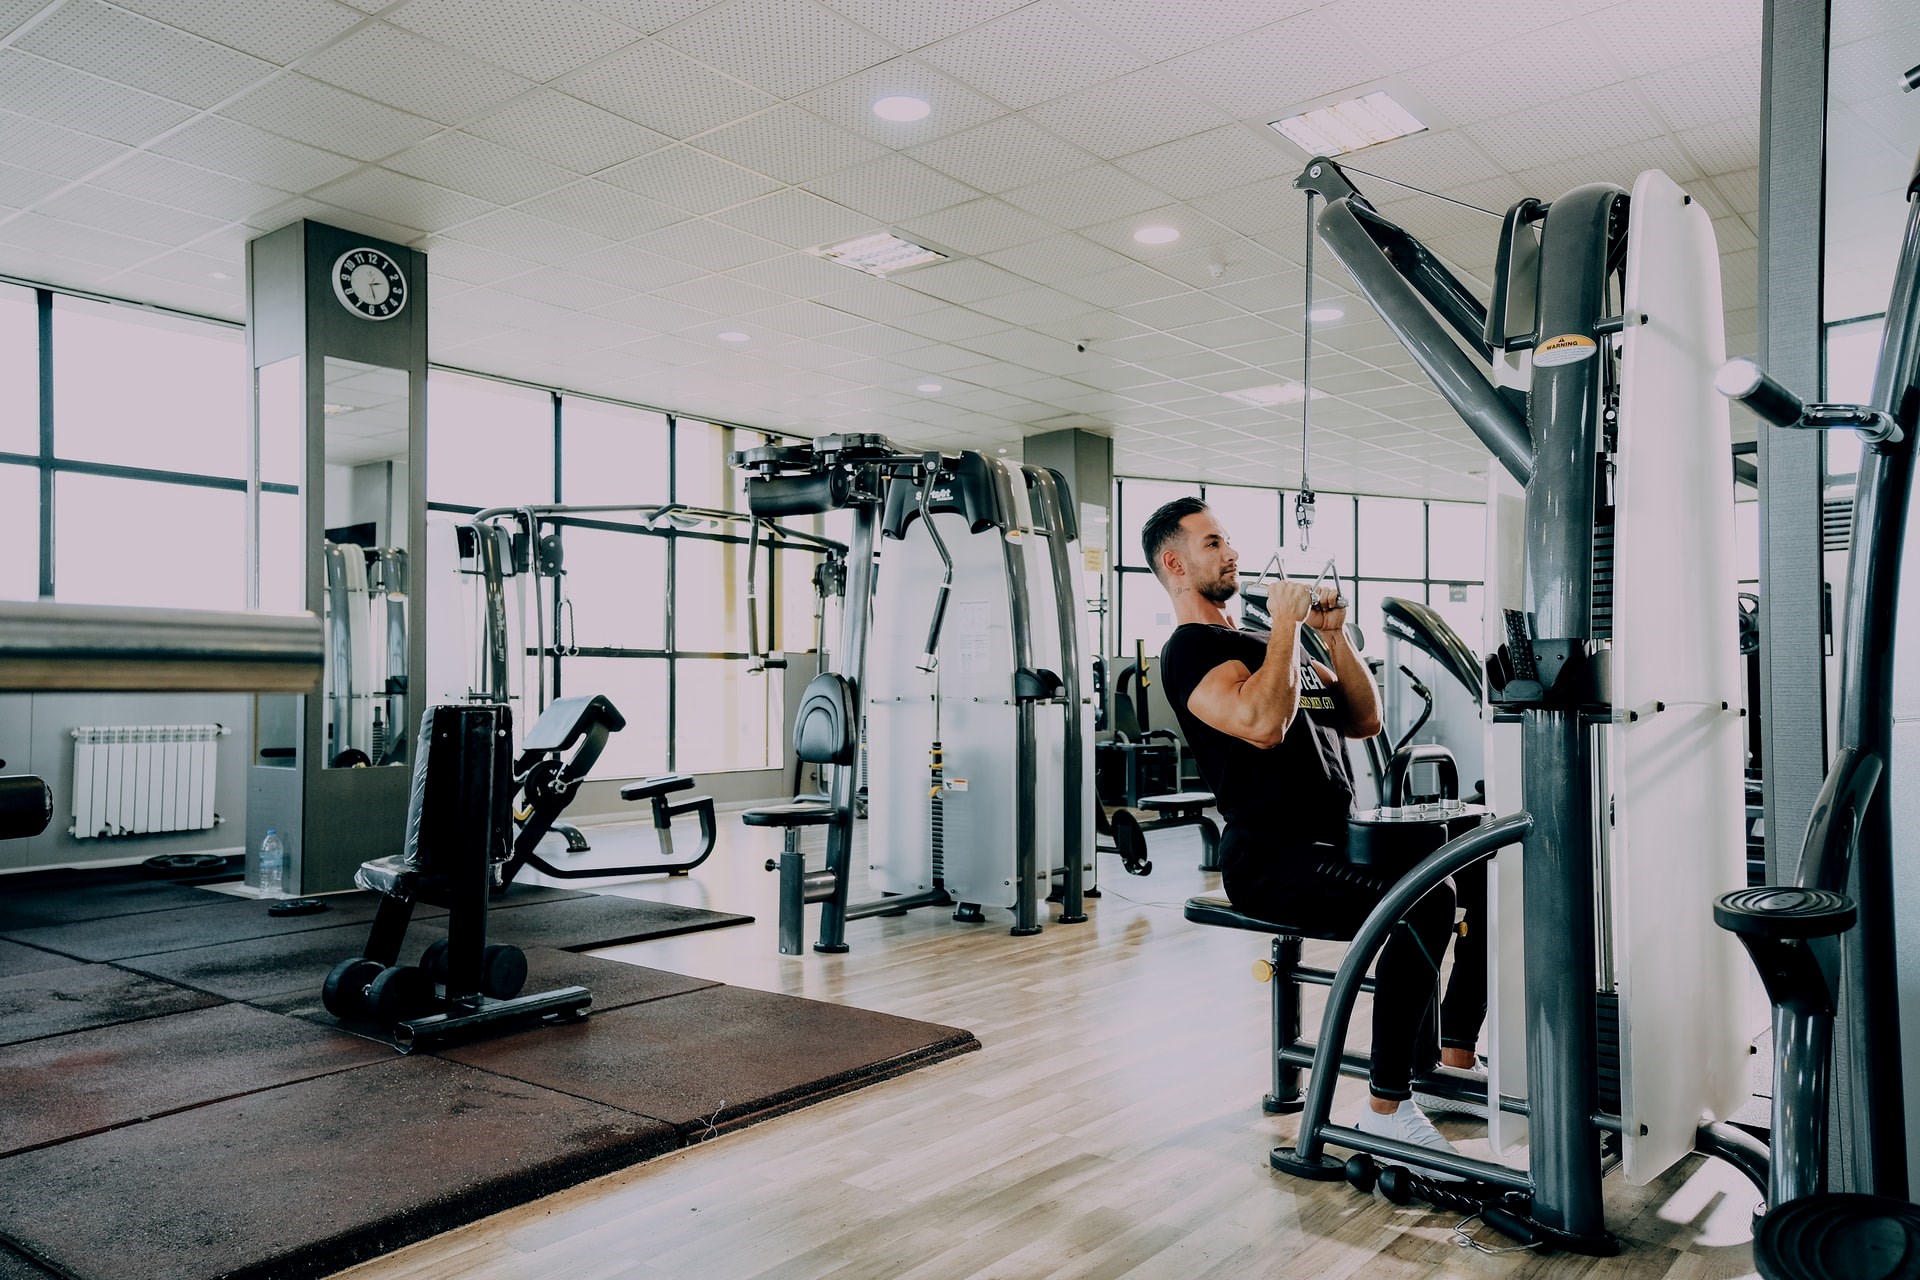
(1211, 562)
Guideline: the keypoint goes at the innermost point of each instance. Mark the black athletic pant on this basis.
(1315, 886)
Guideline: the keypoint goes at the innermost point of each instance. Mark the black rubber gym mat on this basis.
(717, 1058)
(54, 1001)
(66, 1086)
(309, 1178)
(71, 901)
(614, 985)
(16, 958)
(257, 968)
(15, 1267)
(229, 919)
(586, 923)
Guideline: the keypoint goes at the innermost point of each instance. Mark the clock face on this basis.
(369, 284)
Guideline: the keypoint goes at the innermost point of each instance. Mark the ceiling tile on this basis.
(604, 210)
(657, 313)
(804, 319)
(518, 232)
(785, 47)
(1566, 129)
(92, 245)
(728, 297)
(186, 186)
(977, 227)
(567, 290)
(1123, 286)
(1128, 114)
(23, 188)
(348, 219)
(1033, 306)
(413, 73)
(1619, 165)
(882, 300)
(277, 30)
(1094, 194)
(797, 219)
(230, 147)
(1034, 54)
(323, 116)
(1005, 153)
(50, 148)
(469, 263)
(385, 194)
(566, 131)
(633, 268)
(951, 323)
(1732, 146)
(1162, 29)
(647, 16)
(1208, 162)
(952, 106)
(789, 144)
(134, 51)
(962, 281)
(1057, 259)
(539, 39)
(1273, 71)
(1195, 230)
(911, 24)
(1528, 70)
(892, 189)
(1411, 33)
(1700, 93)
(664, 89)
(480, 168)
(1645, 36)
(708, 244)
(689, 179)
(799, 275)
(57, 94)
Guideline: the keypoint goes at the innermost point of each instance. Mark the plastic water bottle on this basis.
(273, 866)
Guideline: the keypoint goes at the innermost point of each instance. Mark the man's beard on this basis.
(1219, 591)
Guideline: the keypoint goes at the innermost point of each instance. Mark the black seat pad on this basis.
(801, 813)
(1220, 913)
(1175, 800)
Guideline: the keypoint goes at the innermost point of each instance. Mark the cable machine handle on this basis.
(930, 659)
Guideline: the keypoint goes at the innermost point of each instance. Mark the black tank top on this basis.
(1296, 793)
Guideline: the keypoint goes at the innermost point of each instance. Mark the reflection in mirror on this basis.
(280, 566)
(364, 559)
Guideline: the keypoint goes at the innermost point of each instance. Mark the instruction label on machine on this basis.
(968, 626)
(1568, 348)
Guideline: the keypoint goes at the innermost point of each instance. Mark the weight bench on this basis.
(825, 731)
(1174, 809)
(548, 778)
(458, 821)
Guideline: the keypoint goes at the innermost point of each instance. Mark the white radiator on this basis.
(133, 779)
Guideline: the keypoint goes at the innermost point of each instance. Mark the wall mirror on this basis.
(364, 566)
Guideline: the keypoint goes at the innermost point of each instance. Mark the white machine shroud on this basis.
(1506, 1031)
(976, 728)
(1686, 990)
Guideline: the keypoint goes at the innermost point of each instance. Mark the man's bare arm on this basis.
(1258, 706)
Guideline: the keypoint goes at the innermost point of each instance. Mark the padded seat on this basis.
(648, 788)
(801, 813)
(1177, 801)
(395, 876)
(1220, 913)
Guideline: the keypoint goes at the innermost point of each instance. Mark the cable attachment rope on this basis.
(1303, 501)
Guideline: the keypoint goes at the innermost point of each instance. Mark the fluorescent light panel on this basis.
(1271, 394)
(1349, 126)
(880, 254)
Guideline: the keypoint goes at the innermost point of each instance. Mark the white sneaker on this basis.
(1408, 1124)
(1435, 1105)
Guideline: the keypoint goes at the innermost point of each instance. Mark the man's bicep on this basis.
(1215, 701)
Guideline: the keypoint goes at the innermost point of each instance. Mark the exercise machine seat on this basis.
(1177, 801)
(1218, 912)
(801, 813)
(824, 730)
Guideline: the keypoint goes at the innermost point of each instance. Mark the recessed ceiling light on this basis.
(1349, 126)
(1003, 451)
(880, 254)
(902, 108)
(1325, 313)
(1157, 235)
(1271, 394)
(732, 335)
(219, 275)
(335, 410)
(930, 388)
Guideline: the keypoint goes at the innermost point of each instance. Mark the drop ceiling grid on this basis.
(408, 71)
(849, 103)
(539, 39)
(664, 89)
(142, 54)
(786, 47)
(1130, 113)
(1032, 55)
(67, 96)
(276, 30)
(322, 116)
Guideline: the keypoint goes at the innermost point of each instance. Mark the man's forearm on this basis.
(1356, 683)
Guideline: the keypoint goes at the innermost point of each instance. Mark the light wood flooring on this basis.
(1110, 1127)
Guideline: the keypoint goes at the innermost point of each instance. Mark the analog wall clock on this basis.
(370, 284)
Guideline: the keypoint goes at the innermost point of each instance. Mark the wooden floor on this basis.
(1110, 1127)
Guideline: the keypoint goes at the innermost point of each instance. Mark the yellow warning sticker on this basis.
(1565, 349)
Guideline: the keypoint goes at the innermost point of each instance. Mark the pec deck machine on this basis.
(1620, 1019)
(960, 655)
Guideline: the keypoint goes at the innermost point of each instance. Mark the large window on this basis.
(1422, 551)
(148, 476)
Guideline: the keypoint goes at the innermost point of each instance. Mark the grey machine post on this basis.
(1818, 964)
(856, 473)
(1551, 674)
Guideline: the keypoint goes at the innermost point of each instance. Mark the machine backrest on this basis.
(825, 730)
(462, 787)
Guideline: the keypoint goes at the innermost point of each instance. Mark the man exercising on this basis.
(1268, 725)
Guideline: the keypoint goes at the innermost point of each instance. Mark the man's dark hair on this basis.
(1163, 526)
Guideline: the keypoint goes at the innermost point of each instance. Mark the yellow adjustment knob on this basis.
(1263, 971)
(1461, 928)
